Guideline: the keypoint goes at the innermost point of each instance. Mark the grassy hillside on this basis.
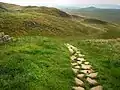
(33, 23)
(110, 15)
(38, 60)
(10, 7)
(35, 63)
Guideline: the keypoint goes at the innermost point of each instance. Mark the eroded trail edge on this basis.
(85, 75)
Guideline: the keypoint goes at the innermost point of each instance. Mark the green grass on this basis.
(35, 63)
(104, 55)
(38, 60)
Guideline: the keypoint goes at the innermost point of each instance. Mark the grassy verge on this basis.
(35, 63)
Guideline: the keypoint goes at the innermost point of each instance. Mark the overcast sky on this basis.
(60, 2)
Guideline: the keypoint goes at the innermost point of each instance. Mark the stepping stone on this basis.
(79, 82)
(92, 81)
(71, 51)
(75, 70)
(78, 88)
(78, 52)
(79, 62)
(77, 67)
(74, 48)
(74, 64)
(97, 88)
(80, 76)
(86, 66)
(86, 71)
(73, 58)
(86, 63)
(80, 55)
(81, 59)
(93, 75)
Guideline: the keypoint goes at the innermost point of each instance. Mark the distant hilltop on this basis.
(101, 6)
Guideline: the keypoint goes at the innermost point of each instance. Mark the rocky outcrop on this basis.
(5, 38)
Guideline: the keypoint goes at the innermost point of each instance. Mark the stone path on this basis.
(84, 73)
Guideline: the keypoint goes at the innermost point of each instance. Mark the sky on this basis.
(60, 2)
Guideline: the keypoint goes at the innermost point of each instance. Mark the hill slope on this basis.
(35, 63)
(110, 15)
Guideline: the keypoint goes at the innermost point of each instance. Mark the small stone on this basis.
(80, 76)
(79, 82)
(71, 51)
(80, 55)
(74, 64)
(77, 67)
(81, 59)
(86, 71)
(73, 58)
(78, 88)
(97, 88)
(93, 75)
(86, 63)
(74, 48)
(79, 62)
(75, 70)
(78, 52)
(86, 66)
(92, 81)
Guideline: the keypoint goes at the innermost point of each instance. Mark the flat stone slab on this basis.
(86, 63)
(97, 88)
(79, 62)
(73, 58)
(75, 70)
(71, 51)
(74, 48)
(81, 55)
(77, 67)
(93, 75)
(92, 81)
(86, 71)
(80, 59)
(78, 88)
(74, 64)
(83, 66)
(79, 82)
(80, 76)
